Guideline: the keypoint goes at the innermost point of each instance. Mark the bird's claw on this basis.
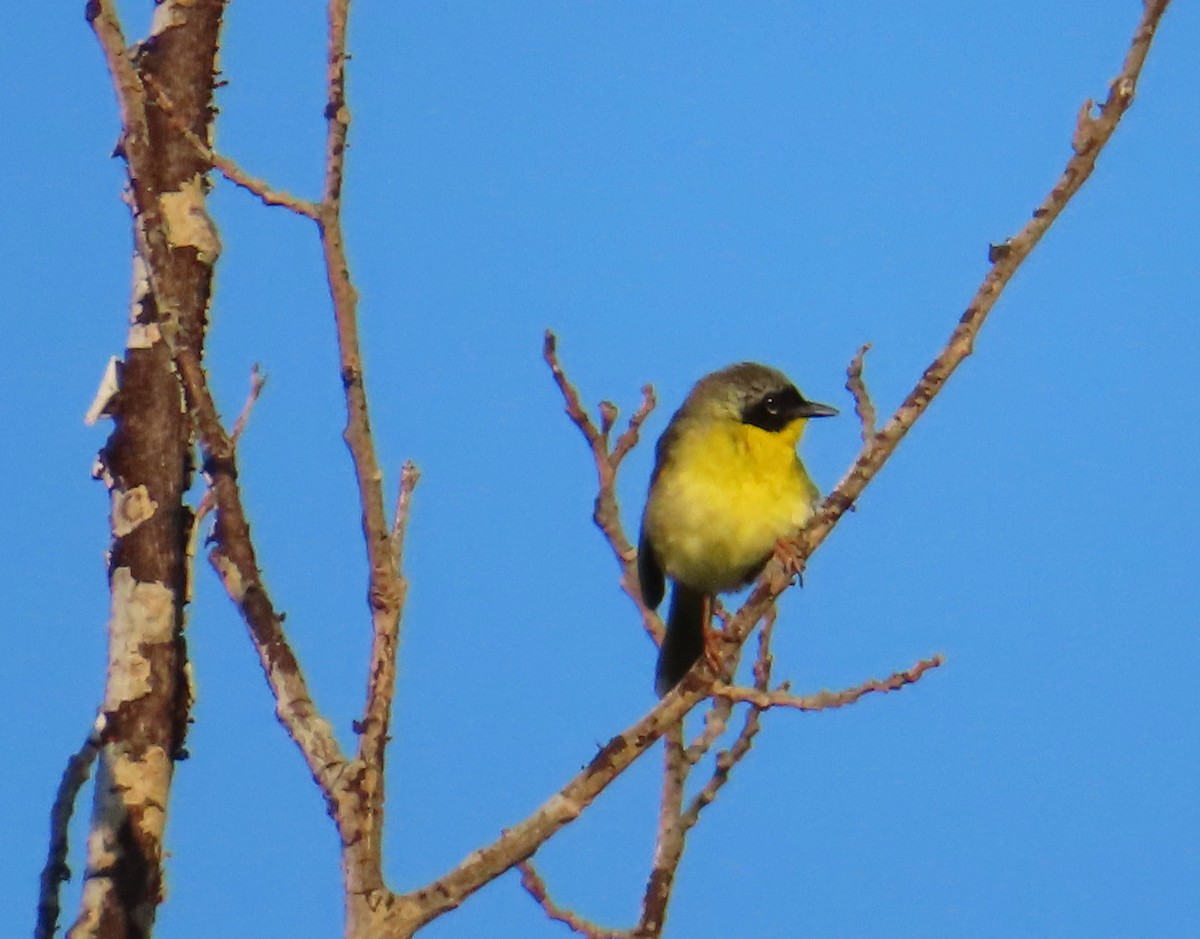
(786, 550)
(714, 658)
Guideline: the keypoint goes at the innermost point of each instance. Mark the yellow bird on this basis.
(727, 486)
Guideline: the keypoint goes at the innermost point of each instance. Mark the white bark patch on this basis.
(92, 902)
(109, 386)
(103, 851)
(187, 221)
(121, 783)
(103, 848)
(143, 335)
(169, 15)
(139, 290)
(142, 614)
(130, 508)
(145, 783)
(230, 578)
(100, 472)
(560, 807)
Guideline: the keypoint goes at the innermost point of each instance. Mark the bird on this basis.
(726, 488)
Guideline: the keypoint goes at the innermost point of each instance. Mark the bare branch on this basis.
(726, 761)
(55, 872)
(575, 410)
(629, 437)
(234, 559)
(674, 822)
(131, 96)
(258, 381)
(862, 398)
(536, 887)
(266, 193)
(751, 725)
(716, 721)
(146, 462)
(827, 700)
(671, 838)
(381, 679)
(363, 856)
(337, 114)
(1091, 136)
(764, 661)
(409, 477)
(606, 511)
(412, 910)
(716, 718)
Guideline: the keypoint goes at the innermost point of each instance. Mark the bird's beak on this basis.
(813, 409)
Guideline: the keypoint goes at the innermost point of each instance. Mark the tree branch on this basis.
(258, 381)
(1091, 135)
(671, 837)
(536, 887)
(55, 872)
(827, 700)
(607, 512)
(146, 463)
(857, 387)
(266, 194)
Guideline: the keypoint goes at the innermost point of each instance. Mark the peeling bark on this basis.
(147, 461)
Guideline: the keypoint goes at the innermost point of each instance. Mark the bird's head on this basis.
(752, 394)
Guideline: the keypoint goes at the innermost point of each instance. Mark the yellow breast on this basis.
(725, 494)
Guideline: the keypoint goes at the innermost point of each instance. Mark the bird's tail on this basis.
(684, 642)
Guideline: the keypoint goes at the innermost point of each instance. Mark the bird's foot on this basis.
(787, 551)
(714, 650)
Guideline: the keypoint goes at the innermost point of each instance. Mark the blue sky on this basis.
(672, 188)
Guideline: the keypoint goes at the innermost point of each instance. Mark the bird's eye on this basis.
(771, 404)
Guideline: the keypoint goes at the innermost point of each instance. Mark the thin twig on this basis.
(266, 193)
(827, 700)
(575, 409)
(55, 872)
(536, 887)
(857, 386)
(716, 721)
(363, 861)
(674, 821)
(337, 113)
(131, 95)
(606, 510)
(629, 437)
(764, 660)
(381, 680)
(671, 836)
(235, 561)
(258, 381)
(409, 477)
(727, 759)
